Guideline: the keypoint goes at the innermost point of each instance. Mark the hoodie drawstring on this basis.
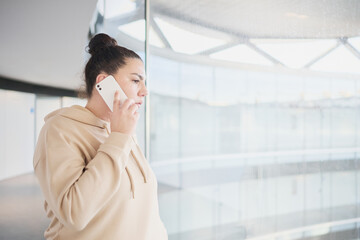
(140, 166)
(132, 183)
(132, 186)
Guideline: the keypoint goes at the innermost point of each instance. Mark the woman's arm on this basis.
(76, 192)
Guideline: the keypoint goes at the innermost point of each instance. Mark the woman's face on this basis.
(131, 78)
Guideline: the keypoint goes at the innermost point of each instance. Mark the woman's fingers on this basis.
(125, 116)
(116, 103)
(133, 108)
(127, 103)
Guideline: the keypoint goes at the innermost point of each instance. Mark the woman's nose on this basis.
(143, 92)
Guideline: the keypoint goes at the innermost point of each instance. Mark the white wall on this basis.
(44, 105)
(17, 130)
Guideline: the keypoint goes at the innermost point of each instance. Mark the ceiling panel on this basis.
(269, 19)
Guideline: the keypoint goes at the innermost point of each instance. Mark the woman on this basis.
(96, 181)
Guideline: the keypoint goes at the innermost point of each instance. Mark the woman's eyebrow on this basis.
(139, 75)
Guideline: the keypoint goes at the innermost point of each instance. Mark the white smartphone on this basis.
(107, 89)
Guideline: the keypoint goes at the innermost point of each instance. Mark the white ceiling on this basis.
(43, 41)
(268, 18)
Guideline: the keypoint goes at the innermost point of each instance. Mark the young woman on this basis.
(96, 182)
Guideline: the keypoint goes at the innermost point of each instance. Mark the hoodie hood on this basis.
(80, 114)
(85, 116)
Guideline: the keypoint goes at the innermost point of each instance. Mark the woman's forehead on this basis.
(134, 63)
(133, 66)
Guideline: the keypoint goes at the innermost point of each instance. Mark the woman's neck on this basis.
(98, 107)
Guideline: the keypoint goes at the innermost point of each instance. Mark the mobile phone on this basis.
(107, 89)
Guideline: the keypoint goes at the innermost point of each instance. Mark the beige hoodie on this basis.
(96, 184)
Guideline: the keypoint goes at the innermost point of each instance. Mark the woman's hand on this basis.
(125, 116)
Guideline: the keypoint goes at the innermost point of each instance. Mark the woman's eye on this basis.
(136, 81)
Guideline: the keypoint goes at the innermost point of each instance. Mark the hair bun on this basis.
(100, 42)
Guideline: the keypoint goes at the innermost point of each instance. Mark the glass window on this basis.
(254, 115)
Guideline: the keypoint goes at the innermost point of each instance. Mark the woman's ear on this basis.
(101, 77)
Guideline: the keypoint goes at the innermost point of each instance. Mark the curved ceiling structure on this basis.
(269, 19)
(320, 36)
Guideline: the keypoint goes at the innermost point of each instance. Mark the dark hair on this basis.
(106, 57)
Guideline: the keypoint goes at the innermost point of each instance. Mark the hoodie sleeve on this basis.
(74, 191)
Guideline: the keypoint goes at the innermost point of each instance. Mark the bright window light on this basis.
(296, 53)
(339, 60)
(154, 39)
(115, 8)
(355, 42)
(134, 29)
(137, 30)
(243, 54)
(184, 41)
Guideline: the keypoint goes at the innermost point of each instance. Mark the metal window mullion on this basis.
(147, 99)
